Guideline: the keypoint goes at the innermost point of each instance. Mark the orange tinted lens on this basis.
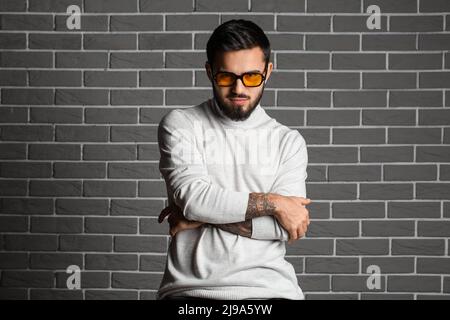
(252, 79)
(224, 79)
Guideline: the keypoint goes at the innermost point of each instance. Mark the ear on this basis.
(208, 70)
(269, 71)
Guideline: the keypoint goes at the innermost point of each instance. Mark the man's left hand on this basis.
(176, 219)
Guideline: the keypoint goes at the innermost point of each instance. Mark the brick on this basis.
(56, 225)
(85, 243)
(283, 41)
(135, 280)
(444, 173)
(332, 191)
(411, 210)
(79, 170)
(398, 6)
(148, 152)
(54, 261)
(264, 21)
(316, 136)
(159, 41)
(320, 210)
(276, 6)
(384, 80)
(389, 117)
(24, 133)
(137, 97)
(55, 78)
(153, 115)
(303, 61)
(165, 6)
(185, 60)
(311, 283)
(362, 246)
(111, 115)
(81, 97)
(13, 78)
(413, 98)
(63, 41)
(282, 79)
(25, 169)
(13, 40)
(342, 23)
(434, 6)
(82, 206)
(314, 99)
(27, 96)
(12, 151)
(89, 279)
(332, 154)
(341, 80)
(355, 283)
(387, 154)
(87, 23)
(434, 41)
(152, 263)
(109, 152)
(111, 295)
(13, 5)
(333, 229)
(26, 206)
(433, 190)
(334, 6)
(111, 262)
(433, 265)
(105, 41)
(186, 97)
(332, 42)
(165, 79)
(152, 189)
(130, 207)
(28, 59)
(42, 294)
(13, 224)
(389, 264)
(51, 188)
(414, 135)
(10, 260)
(413, 61)
(434, 117)
(316, 173)
(414, 283)
(30, 242)
(416, 23)
(151, 226)
(358, 136)
(355, 210)
(109, 188)
(388, 42)
(82, 133)
(108, 6)
(54, 152)
(304, 23)
(52, 5)
(216, 5)
(191, 22)
(386, 191)
(110, 79)
(359, 99)
(111, 225)
(287, 117)
(388, 228)
(331, 296)
(354, 173)
(140, 244)
(434, 79)
(433, 154)
(133, 133)
(26, 22)
(56, 115)
(13, 187)
(358, 61)
(136, 60)
(27, 279)
(81, 60)
(410, 172)
(332, 265)
(133, 170)
(425, 247)
(311, 247)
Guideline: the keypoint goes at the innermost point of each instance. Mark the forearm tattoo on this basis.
(243, 228)
(259, 205)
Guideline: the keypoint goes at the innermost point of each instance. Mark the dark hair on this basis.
(237, 35)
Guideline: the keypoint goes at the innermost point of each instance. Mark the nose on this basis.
(238, 87)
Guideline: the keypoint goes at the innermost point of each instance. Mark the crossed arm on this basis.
(189, 187)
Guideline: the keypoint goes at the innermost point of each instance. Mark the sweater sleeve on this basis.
(187, 181)
(290, 181)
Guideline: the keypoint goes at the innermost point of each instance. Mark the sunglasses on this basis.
(249, 79)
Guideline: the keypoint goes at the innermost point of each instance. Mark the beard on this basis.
(237, 113)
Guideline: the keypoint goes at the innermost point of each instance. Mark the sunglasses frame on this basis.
(241, 77)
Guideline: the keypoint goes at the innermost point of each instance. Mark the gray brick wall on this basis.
(79, 179)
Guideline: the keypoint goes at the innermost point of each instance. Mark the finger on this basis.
(164, 213)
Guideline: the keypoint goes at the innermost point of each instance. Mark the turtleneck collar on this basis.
(252, 120)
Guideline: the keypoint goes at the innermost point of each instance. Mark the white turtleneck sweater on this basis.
(210, 164)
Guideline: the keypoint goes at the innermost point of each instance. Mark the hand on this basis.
(177, 221)
(292, 214)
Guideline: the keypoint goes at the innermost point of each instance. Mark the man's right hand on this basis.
(292, 214)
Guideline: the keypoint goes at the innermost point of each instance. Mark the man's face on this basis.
(239, 101)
